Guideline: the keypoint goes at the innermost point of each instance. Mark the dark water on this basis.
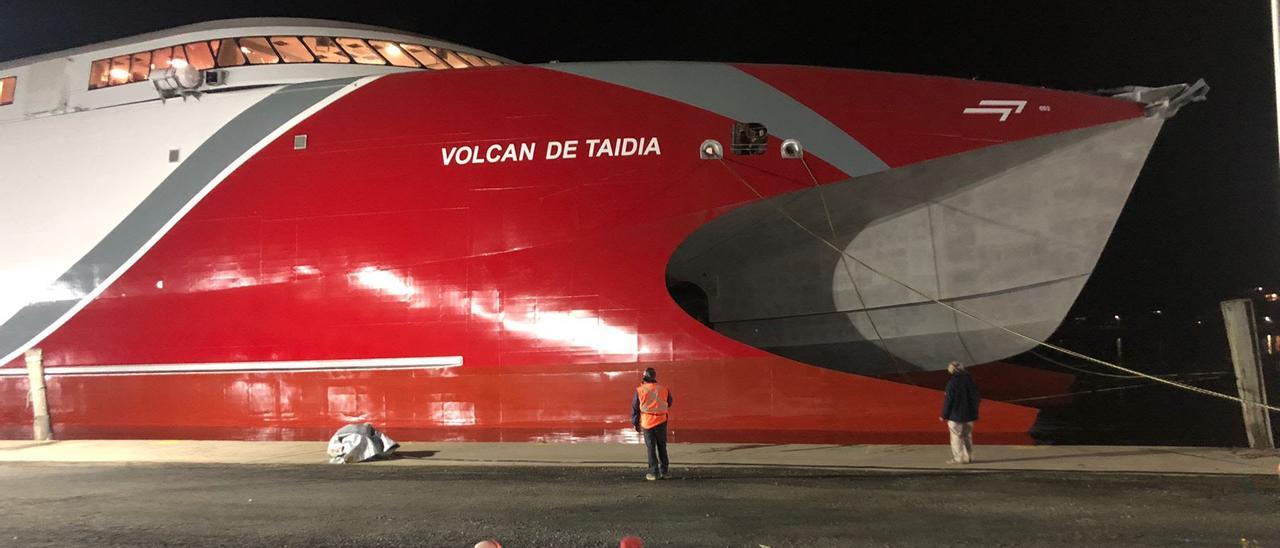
(1109, 409)
(1140, 412)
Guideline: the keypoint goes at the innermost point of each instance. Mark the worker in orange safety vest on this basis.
(649, 417)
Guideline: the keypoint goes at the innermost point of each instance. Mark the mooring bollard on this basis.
(41, 427)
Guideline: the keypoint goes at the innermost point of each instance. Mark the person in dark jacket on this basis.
(959, 411)
(649, 407)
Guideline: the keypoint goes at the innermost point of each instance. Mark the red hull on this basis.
(547, 276)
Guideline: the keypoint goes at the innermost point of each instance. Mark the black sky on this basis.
(1202, 224)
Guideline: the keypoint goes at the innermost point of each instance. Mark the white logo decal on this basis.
(997, 106)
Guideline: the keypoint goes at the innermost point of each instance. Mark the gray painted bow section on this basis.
(732, 93)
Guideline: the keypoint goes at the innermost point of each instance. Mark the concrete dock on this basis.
(1144, 460)
(220, 493)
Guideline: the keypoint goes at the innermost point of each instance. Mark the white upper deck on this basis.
(244, 52)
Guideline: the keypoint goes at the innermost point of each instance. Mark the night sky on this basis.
(1201, 225)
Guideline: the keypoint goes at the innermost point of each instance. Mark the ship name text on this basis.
(497, 153)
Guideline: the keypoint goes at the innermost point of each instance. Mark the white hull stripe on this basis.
(207, 166)
(370, 364)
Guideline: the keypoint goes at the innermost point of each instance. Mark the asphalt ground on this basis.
(363, 505)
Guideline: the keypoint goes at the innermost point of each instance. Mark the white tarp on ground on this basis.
(359, 443)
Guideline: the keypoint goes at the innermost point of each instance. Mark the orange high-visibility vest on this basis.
(653, 404)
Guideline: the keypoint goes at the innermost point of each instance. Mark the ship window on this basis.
(450, 57)
(199, 55)
(259, 51)
(140, 66)
(424, 56)
(7, 88)
(120, 70)
(228, 53)
(393, 53)
(473, 59)
(100, 74)
(749, 138)
(179, 57)
(361, 51)
(326, 50)
(292, 50)
(160, 59)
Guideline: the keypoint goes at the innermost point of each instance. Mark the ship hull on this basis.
(433, 260)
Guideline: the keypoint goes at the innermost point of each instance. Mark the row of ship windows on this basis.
(7, 87)
(262, 50)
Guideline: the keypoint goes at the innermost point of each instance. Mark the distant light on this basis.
(1272, 297)
(1159, 311)
(1117, 317)
(178, 63)
(1266, 319)
(1259, 288)
(119, 73)
(1198, 322)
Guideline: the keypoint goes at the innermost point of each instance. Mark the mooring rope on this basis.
(1098, 373)
(893, 360)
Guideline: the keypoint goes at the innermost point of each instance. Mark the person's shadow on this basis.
(413, 454)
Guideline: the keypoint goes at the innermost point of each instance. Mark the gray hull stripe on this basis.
(203, 165)
(732, 93)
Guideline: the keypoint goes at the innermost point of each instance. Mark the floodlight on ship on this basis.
(180, 79)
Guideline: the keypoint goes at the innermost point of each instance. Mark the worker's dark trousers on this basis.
(655, 440)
